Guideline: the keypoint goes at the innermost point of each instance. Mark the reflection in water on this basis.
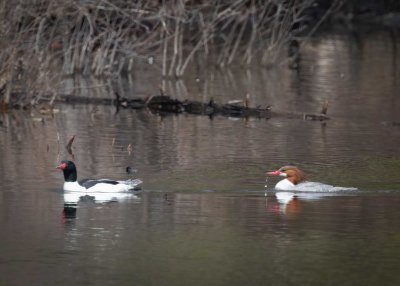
(290, 202)
(69, 210)
(98, 197)
(71, 200)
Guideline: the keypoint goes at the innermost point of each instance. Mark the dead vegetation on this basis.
(45, 40)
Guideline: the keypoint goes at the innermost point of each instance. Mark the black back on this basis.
(87, 183)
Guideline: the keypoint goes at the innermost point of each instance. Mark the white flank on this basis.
(122, 186)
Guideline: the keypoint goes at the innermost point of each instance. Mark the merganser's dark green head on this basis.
(69, 170)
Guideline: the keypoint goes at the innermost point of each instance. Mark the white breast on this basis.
(73, 187)
(284, 185)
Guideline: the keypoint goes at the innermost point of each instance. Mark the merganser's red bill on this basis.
(62, 166)
(274, 173)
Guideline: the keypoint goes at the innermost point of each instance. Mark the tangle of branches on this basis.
(44, 39)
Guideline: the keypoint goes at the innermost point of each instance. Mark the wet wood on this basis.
(69, 144)
(164, 105)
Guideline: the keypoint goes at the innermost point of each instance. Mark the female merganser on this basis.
(296, 181)
(293, 176)
(87, 185)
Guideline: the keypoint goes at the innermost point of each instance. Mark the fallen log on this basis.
(164, 105)
(199, 108)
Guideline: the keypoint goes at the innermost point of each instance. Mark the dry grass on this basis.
(44, 40)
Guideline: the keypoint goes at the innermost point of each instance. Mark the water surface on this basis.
(216, 226)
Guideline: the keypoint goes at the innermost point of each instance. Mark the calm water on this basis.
(216, 226)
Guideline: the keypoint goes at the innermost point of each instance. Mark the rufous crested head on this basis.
(293, 174)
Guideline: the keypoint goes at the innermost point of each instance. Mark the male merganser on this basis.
(87, 185)
(296, 181)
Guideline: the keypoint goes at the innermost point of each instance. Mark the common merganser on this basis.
(296, 181)
(71, 183)
(293, 176)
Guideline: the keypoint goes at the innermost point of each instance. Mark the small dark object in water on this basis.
(169, 201)
(130, 170)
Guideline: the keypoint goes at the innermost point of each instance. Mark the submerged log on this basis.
(233, 110)
(164, 105)
(136, 103)
(200, 108)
